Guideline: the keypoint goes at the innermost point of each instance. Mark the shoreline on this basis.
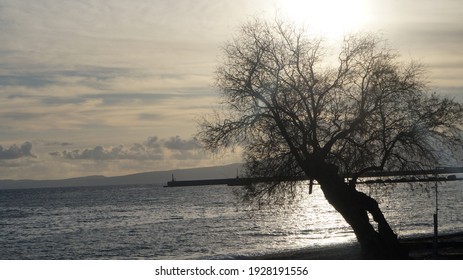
(450, 247)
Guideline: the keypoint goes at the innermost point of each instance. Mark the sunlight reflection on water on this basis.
(130, 222)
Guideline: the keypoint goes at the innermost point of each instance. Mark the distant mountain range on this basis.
(155, 177)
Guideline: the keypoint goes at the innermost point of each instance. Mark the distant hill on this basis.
(155, 177)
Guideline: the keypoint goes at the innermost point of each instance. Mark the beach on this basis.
(450, 247)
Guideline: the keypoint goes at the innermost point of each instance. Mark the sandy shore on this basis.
(450, 247)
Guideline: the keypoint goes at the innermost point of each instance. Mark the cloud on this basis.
(23, 77)
(32, 81)
(185, 155)
(16, 152)
(152, 148)
(100, 153)
(184, 150)
(56, 143)
(106, 99)
(176, 143)
(68, 67)
(110, 99)
(22, 115)
(153, 142)
(150, 117)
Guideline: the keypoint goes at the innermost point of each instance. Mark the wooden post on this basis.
(436, 229)
(435, 251)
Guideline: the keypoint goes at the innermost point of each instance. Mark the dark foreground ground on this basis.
(450, 247)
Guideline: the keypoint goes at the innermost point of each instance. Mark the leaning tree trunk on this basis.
(354, 206)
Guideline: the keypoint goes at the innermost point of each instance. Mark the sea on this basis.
(203, 222)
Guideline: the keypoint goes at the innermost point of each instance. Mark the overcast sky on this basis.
(114, 87)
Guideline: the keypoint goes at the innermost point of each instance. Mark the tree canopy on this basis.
(288, 100)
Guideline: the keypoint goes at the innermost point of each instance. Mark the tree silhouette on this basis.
(297, 109)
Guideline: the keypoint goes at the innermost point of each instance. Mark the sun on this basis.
(331, 18)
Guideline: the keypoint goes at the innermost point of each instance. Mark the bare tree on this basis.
(296, 109)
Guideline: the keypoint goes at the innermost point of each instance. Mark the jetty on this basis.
(429, 175)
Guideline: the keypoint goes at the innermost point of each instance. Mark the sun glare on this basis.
(330, 18)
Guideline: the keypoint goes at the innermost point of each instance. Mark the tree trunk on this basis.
(354, 206)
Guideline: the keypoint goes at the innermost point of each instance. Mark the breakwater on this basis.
(374, 177)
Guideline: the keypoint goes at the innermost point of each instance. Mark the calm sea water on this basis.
(148, 222)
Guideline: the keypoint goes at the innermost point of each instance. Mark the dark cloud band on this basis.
(151, 149)
(16, 152)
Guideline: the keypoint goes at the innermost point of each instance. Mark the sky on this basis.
(116, 87)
